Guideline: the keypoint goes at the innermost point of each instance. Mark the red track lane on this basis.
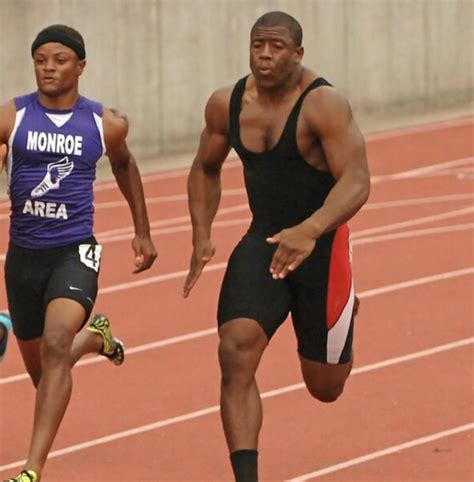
(380, 408)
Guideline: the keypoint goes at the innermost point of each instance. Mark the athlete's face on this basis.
(57, 69)
(274, 57)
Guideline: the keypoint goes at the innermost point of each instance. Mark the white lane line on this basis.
(210, 331)
(242, 192)
(215, 408)
(417, 201)
(165, 199)
(452, 228)
(420, 171)
(173, 230)
(411, 222)
(158, 279)
(172, 221)
(382, 453)
(417, 282)
(246, 221)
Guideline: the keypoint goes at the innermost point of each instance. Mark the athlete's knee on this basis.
(236, 354)
(239, 354)
(56, 349)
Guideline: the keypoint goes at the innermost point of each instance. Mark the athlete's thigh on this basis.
(322, 309)
(26, 277)
(75, 277)
(64, 318)
(248, 289)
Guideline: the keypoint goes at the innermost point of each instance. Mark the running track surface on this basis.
(406, 414)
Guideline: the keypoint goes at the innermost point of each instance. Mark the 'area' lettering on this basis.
(45, 209)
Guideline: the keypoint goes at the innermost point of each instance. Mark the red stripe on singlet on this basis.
(340, 276)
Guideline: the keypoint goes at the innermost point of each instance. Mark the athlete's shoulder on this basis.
(115, 126)
(325, 107)
(220, 98)
(217, 109)
(325, 96)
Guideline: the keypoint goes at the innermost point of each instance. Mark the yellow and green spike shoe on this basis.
(112, 348)
(24, 476)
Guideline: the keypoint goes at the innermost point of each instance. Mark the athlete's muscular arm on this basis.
(204, 182)
(329, 118)
(128, 179)
(7, 120)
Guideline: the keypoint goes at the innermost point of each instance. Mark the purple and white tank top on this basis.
(51, 166)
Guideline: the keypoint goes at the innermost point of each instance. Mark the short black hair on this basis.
(63, 34)
(281, 19)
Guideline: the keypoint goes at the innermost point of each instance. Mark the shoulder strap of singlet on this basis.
(96, 107)
(290, 128)
(234, 109)
(24, 100)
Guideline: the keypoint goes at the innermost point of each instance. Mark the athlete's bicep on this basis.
(7, 121)
(214, 144)
(345, 150)
(213, 149)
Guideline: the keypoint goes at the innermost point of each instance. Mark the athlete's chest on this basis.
(262, 126)
(41, 136)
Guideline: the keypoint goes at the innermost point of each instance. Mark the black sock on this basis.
(245, 465)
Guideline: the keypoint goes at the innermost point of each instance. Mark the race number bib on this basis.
(90, 255)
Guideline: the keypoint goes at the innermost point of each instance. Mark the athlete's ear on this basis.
(81, 65)
(299, 54)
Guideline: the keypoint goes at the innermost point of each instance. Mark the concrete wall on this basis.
(159, 60)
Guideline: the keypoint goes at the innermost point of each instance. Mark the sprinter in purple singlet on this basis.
(50, 142)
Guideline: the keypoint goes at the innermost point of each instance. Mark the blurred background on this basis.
(159, 60)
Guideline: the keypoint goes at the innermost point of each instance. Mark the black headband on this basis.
(54, 35)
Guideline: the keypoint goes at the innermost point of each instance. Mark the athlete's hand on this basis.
(3, 156)
(202, 254)
(145, 253)
(294, 246)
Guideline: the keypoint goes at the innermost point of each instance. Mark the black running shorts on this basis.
(34, 277)
(319, 295)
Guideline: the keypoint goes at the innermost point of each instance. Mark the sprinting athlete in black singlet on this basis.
(306, 175)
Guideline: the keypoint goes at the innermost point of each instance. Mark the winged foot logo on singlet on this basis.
(55, 172)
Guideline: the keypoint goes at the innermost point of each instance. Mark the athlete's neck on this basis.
(58, 102)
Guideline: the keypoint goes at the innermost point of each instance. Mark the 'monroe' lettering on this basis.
(53, 142)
